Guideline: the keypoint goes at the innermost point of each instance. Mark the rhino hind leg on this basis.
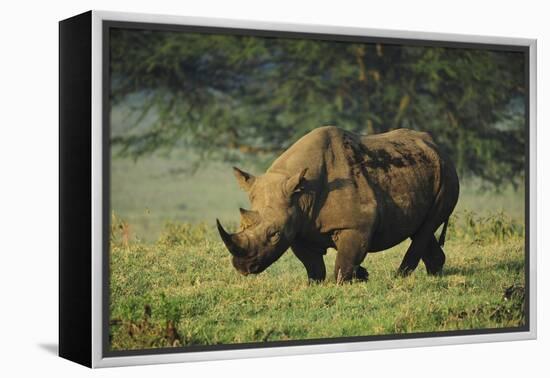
(421, 243)
(434, 258)
(410, 260)
(424, 246)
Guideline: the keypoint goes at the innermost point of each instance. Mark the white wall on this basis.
(28, 206)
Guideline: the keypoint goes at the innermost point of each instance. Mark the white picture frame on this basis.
(97, 358)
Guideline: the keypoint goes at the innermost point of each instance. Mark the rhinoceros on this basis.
(357, 194)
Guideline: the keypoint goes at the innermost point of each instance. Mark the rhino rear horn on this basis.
(233, 242)
(249, 217)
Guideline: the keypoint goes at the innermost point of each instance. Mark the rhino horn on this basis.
(249, 217)
(233, 242)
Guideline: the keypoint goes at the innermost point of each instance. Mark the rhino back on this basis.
(308, 152)
(388, 181)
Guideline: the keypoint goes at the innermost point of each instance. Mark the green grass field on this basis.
(172, 283)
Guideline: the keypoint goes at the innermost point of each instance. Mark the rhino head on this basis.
(267, 230)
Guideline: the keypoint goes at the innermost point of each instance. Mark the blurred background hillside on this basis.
(188, 106)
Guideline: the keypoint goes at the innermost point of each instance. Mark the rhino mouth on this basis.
(256, 269)
(246, 268)
(243, 272)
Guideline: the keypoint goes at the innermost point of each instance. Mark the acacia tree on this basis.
(221, 93)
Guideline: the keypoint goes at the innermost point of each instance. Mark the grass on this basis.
(181, 290)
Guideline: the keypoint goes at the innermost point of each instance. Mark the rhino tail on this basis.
(443, 233)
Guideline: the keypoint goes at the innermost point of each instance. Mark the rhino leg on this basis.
(352, 246)
(361, 274)
(424, 245)
(410, 260)
(313, 261)
(434, 258)
(420, 247)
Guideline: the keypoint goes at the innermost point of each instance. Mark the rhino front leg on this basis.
(313, 261)
(352, 246)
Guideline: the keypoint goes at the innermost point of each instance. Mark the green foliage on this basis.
(183, 233)
(182, 290)
(257, 95)
(497, 226)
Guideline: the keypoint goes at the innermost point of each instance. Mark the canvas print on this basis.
(284, 189)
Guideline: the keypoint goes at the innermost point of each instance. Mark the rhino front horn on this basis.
(233, 242)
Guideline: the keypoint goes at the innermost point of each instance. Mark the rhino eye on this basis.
(274, 237)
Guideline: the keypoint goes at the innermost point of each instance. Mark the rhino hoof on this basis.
(403, 272)
(361, 274)
(314, 281)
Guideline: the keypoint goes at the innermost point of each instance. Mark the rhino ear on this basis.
(244, 179)
(296, 183)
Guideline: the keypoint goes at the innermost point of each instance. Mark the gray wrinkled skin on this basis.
(354, 193)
